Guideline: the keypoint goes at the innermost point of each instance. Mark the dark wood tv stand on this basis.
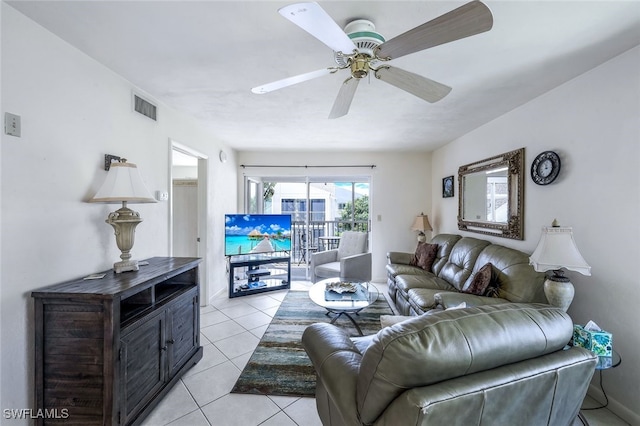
(107, 350)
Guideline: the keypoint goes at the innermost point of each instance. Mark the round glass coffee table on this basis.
(344, 303)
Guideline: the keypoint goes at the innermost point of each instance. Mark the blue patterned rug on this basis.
(279, 365)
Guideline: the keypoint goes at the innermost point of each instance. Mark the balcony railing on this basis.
(308, 239)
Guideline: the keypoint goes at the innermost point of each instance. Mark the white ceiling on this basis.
(203, 57)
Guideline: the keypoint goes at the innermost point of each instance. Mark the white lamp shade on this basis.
(557, 249)
(421, 223)
(123, 183)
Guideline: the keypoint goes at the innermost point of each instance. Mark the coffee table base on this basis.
(346, 314)
(346, 305)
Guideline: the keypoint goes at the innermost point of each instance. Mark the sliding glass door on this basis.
(321, 208)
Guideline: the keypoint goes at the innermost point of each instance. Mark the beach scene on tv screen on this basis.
(246, 234)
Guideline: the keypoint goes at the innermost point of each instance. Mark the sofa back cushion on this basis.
(515, 279)
(445, 244)
(351, 243)
(435, 347)
(458, 267)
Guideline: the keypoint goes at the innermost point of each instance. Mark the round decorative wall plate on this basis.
(545, 168)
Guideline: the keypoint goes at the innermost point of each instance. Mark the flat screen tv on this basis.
(256, 233)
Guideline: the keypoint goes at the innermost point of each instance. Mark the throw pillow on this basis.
(425, 255)
(414, 259)
(481, 281)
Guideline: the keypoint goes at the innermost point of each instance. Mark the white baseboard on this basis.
(216, 294)
(614, 406)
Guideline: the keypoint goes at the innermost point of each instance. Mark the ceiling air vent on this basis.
(144, 107)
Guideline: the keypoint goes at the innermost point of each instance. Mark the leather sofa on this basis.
(458, 259)
(502, 364)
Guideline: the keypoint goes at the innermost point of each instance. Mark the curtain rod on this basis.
(368, 166)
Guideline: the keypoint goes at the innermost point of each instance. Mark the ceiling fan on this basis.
(360, 49)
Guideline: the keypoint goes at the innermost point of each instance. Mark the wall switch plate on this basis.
(12, 124)
(162, 195)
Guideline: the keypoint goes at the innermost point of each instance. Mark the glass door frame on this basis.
(254, 198)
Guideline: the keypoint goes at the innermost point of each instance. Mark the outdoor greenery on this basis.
(355, 216)
(269, 190)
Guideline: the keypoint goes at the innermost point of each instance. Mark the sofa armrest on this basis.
(336, 360)
(356, 266)
(320, 258)
(400, 257)
(326, 256)
(449, 299)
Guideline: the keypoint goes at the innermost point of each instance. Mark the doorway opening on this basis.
(188, 208)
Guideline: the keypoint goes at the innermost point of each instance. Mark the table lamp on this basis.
(556, 250)
(421, 224)
(123, 185)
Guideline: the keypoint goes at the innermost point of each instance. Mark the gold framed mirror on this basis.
(491, 196)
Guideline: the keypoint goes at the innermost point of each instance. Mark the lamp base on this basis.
(559, 292)
(125, 265)
(422, 238)
(124, 222)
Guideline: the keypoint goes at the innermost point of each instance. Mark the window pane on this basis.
(353, 203)
(287, 205)
(317, 210)
(252, 196)
(268, 189)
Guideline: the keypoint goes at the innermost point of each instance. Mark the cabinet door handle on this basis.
(170, 341)
(164, 348)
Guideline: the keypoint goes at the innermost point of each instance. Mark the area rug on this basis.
(279, 365)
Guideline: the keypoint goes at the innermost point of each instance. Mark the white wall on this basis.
(593, 122)
(400, 190)
(73, 112)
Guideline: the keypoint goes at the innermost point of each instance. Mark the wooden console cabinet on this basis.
(107, 350)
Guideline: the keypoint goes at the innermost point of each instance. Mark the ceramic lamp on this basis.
(556, 250)
(421, 224)
(123, 184)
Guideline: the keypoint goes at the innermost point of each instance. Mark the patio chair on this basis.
(304, 247)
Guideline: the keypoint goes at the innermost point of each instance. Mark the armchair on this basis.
(349, 260)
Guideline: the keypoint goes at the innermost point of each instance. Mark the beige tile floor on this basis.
(230, 331)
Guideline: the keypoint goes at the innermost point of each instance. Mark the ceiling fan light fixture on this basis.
(359, 65)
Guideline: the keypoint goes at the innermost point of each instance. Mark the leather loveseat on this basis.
(456, 264)
(502, 364)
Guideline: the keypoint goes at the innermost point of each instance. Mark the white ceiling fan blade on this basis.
(467, 20)
(314, 20)
(345, 96)
(289, 81)
(422, 87)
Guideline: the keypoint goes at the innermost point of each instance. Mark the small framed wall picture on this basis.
(447, 187)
